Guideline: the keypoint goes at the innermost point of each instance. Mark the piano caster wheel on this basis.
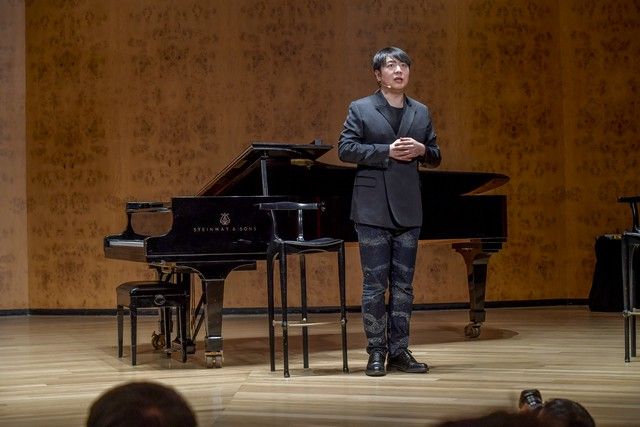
(157, 341)
(213, 361)
(472, 330)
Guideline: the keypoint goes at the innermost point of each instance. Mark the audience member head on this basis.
(533, 412)
(500, 419)
(139, 404)
(566, 412)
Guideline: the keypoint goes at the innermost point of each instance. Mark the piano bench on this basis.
(153, 294)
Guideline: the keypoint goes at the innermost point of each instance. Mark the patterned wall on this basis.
(13, 192)
(510, 79)
(148, 99)
(601, 78)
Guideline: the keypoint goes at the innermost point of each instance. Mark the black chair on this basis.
(163, 295)
(279, 247)
(630, 243)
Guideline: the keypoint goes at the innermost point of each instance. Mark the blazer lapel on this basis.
(409, 113)
(407, 117)
(384, 108)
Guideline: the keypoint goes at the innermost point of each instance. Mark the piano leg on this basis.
(477, 282)
(213, 276)
(184, 279)
(213, 291)
(476, 261)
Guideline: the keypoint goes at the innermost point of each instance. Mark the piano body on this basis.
(220, 229)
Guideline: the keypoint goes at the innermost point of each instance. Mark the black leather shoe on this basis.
(375, 365)
(405, 362)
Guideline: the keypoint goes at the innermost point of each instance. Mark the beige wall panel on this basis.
(600, 69)
(147, 100)
(509, 113)
(13, 190)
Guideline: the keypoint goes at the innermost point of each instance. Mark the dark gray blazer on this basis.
(386, 192)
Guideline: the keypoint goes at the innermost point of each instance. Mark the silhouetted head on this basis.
(567, 412)
(139, 404)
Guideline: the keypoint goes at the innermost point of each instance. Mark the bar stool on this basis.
(153, 294)
(630, 243)
(280, 247)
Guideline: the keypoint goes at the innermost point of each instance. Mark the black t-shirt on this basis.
(396, 118)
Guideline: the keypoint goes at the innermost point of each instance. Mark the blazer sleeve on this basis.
(352, 147)
(432, 156)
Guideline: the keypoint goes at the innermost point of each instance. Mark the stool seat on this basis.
(163, 295)
(149, 293)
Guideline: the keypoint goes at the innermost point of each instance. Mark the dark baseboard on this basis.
(15, 312)
(537, 303)
(73, 312)
(263, 310)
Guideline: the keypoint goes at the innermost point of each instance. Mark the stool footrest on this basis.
(303, 324)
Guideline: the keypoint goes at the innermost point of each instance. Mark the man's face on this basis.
(393, 75)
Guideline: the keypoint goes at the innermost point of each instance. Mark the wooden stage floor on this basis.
(53, 367)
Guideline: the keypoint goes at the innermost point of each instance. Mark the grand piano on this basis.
(221, 229)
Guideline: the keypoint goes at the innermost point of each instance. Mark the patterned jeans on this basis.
(388, 260)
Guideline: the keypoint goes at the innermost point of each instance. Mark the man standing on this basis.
(387, 135)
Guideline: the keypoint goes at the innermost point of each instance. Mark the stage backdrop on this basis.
(13, 181)
(149, 99)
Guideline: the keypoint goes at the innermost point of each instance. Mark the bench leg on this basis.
(625, 297)
(167, 314)
(120, 327)
(343, 306)
(303, 305)
(134, 334)
(285, 324)
(632, 299)
(182, 327)
(270, 311)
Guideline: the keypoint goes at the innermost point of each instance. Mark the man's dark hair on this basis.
(139, 404)
(567, 413)
(380, 58)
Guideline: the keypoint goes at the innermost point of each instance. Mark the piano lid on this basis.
(293, 169)
(459, 183)
(249, 160)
